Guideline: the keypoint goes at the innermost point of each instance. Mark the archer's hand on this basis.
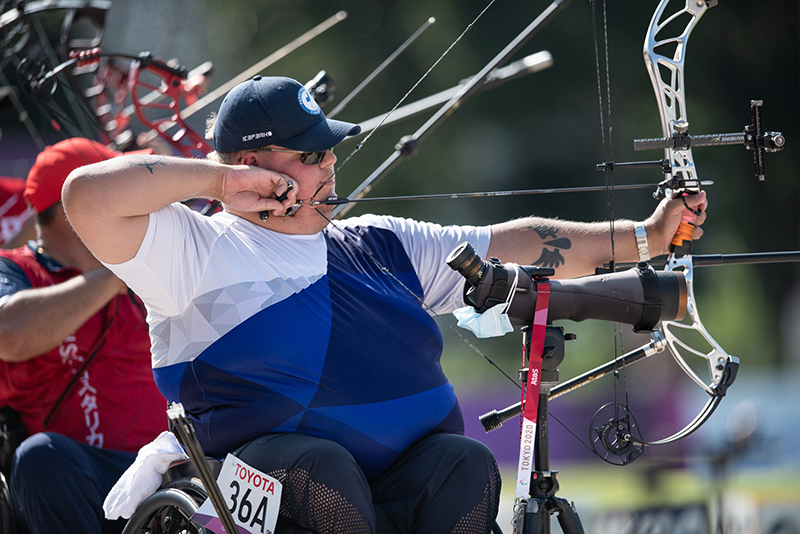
(663, 223)
(253, 189)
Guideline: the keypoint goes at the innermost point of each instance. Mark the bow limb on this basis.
(722, 368)
(664, 55)
(16, 30)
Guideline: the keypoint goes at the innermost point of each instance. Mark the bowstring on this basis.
(606, 131)
(608, 151)
(82, 110)
(73, 102)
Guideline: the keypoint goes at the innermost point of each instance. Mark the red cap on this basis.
(53, 165)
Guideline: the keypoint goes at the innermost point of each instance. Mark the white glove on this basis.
(143, 477)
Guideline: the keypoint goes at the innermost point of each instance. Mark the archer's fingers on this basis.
(701, 218)
(698, 233)
(286, 193)
(697, 202)
(271, 205)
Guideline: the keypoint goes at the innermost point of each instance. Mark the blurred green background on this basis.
(543, 131)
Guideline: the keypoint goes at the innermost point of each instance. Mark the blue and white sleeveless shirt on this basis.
(257, 332)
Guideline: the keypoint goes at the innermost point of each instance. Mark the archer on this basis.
(304, 346)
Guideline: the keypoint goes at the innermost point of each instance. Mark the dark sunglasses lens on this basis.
(312, 158)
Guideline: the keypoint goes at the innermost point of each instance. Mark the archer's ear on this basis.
(250, 158)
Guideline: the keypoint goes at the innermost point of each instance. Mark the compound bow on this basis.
(664, 51)
(664, 55)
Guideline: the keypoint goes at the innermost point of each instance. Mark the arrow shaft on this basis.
(480, 194)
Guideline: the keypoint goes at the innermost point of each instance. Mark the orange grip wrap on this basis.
(681, 244)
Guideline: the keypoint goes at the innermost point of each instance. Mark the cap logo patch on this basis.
(308, 104)
(258, 135)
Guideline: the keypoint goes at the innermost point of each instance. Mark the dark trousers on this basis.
(59, 485)
(442, 484)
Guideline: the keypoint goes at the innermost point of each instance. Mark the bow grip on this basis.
(681, 244)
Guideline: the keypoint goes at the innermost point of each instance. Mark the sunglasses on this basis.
(306, 158)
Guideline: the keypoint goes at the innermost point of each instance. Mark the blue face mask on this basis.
(494, 322)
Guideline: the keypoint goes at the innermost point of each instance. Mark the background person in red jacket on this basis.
(74, 362)
(17, 221)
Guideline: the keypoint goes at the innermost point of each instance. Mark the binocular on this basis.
(639, 296)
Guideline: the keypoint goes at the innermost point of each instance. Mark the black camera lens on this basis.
(466, 261)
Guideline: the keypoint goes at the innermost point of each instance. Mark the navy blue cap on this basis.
(275, 111)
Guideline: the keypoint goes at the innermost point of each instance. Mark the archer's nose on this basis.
(328, 159)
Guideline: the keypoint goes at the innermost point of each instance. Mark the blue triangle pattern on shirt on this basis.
(380, 420)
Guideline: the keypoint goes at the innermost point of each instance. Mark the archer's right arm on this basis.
(109, 203)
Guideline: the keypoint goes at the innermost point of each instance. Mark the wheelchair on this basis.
(168, 510)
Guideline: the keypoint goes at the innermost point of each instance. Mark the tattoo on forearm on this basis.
(551, 258)
(561, 242)
(148, 162)
(543, 230)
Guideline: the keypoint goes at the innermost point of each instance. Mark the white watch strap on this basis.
(641, 241)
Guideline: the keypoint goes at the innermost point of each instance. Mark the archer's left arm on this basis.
(576, 248)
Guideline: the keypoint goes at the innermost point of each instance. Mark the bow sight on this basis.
(753, 137)
(640, 297)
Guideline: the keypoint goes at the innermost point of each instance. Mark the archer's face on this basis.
(313, 182)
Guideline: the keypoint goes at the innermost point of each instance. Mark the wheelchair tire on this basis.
(167, 511)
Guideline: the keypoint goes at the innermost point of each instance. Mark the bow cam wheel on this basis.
(615, 435)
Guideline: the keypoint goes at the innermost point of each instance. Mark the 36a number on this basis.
(244, 509)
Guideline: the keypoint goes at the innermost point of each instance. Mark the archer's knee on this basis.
(37, 456)
(326, 460)
(36, 467)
